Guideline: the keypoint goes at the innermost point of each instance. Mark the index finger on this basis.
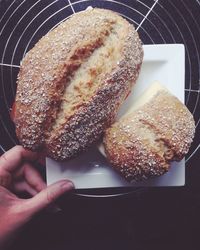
(14, 157)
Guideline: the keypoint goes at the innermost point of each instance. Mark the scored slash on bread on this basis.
(158, 129)
(73, 81)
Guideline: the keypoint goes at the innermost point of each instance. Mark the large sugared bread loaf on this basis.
(159, 129)
(71, 84)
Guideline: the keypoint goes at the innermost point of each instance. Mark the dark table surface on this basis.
(156, 218)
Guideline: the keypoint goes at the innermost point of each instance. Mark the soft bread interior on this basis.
(83, 84)
(150, 137)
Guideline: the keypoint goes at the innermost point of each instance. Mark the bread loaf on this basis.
(72, 82)
(157, 130)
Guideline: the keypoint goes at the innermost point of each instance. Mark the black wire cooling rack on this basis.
(24, 22)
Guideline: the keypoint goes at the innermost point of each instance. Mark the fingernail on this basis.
(67, 185)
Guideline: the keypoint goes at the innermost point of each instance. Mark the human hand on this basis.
(18, 175)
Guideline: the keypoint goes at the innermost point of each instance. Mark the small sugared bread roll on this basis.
(159, 129)
(71, 84)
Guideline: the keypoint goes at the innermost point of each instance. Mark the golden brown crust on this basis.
(143, 143)
(47, 70)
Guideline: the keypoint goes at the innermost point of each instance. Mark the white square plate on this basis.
(163, 63)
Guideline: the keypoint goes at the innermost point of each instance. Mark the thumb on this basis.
(48, 196)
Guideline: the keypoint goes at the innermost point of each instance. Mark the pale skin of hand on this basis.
(18, 175)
